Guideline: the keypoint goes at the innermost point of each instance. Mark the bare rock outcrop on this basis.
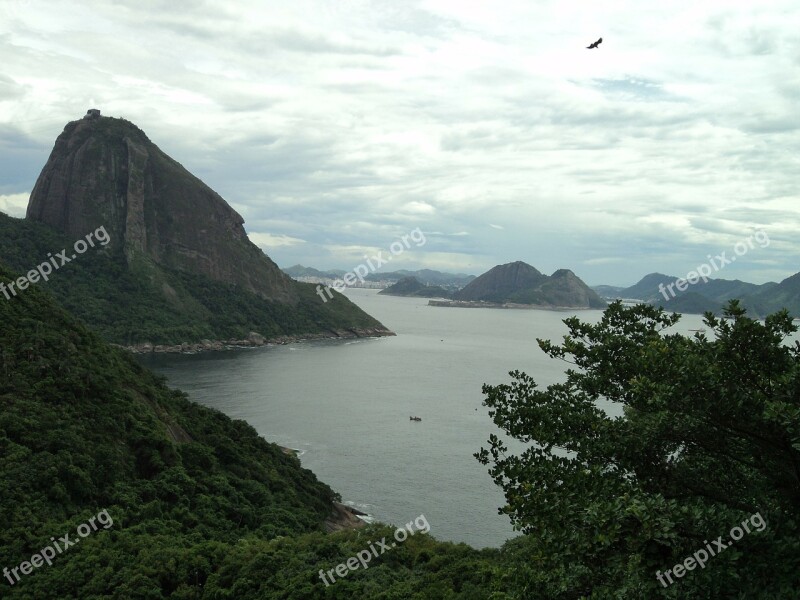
(105, 171)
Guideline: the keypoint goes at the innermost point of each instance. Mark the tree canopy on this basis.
(654, 444)
(202, 506)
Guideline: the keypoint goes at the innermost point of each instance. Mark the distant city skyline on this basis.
(334, 127)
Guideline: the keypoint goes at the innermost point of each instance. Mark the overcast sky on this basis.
(336, 126)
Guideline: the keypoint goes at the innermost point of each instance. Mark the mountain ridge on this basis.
(712, 295)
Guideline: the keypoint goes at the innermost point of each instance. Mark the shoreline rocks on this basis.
(344, 517)
(253, 340)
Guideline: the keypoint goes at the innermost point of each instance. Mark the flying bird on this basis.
(595, 44)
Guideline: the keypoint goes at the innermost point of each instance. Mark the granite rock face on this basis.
(105, 171)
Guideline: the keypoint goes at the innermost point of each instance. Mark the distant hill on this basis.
(718, 290)
(689, 302)
(410, 286)
(647, 288)
(177, 265)
(702, 296)
(519, 282)
(427, 277)
(607, 291)
(772, 297)
(452, 281)
(301, 271)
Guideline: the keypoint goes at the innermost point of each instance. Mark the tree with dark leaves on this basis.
(653, 446)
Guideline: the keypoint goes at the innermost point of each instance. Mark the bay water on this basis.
(345, 405)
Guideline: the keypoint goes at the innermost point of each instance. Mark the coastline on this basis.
(253, 340)
(506, 305)
(344, 517)
(341, 516)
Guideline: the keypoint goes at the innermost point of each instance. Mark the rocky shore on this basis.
(341, 516)
(344, 517)
(253, 340)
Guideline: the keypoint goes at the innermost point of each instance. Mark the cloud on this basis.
(336, 125)
(266, 241)
(14, 205)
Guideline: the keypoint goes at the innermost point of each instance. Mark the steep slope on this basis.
(521, 283)
(193, 504)
(410, 286)
(84, 426)
(178, 266)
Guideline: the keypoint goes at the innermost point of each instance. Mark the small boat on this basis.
(414, 419)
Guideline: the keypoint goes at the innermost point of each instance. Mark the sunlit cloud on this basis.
(14, 205)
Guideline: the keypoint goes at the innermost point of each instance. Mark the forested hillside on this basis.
(130, 305)
(202, 507)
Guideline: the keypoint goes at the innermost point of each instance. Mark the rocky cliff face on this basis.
(106, 172)
(519, 282)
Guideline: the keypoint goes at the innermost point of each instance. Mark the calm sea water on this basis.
(346, 405)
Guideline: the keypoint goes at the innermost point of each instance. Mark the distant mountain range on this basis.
(411, 286)
(607, 291)
(711, 295)
(520, 283)
(452, 281)
(427, 277)
(301, 271)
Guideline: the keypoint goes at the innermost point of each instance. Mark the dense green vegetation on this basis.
(708, 435)
(202, 506)
(129, 304)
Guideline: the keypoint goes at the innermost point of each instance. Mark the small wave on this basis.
(366, 518)
(361, 507)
